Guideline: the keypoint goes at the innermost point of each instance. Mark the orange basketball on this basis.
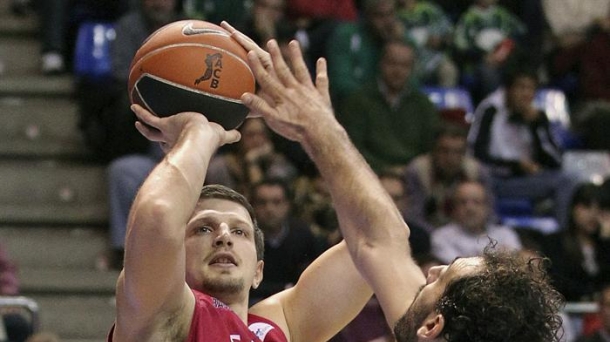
(192, 65)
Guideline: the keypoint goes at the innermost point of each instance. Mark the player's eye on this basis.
(204, 229)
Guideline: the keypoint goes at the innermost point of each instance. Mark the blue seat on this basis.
(451, 99)
(544, 225)
(92, 58)
(554, 102)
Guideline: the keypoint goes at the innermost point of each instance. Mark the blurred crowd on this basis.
(446, 172)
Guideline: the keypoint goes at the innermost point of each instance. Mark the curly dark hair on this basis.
(509, 300)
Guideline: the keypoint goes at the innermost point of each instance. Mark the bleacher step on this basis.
(65, 281)
(11, 25)
(20, 55)
(48, 192)
(54, 247)
(74, 317)
(36, 85)
(33, 127)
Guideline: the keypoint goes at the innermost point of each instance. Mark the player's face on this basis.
(220, 250)
(422, 315)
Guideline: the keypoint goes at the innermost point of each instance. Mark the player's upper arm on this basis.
(328, 295)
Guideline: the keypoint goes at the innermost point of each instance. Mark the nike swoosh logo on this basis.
(189, 30)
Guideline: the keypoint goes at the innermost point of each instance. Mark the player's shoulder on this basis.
(272, 309)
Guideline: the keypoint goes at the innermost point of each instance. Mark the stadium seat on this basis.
(25, 308)
(554, 102)
(92, 58)
(454, 104)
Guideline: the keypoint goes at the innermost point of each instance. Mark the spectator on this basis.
(342, 10)
(570, 22)
(314, 205)
(454, 8)
(389, 120)
(59, 22)
(263, 20)
(215, 11)
(486, 35)
(290, 246)
(105, 119)
(580, 256)
(432, 177)
(515, 141)
(419, 239)
(432, 32)
(253, 159)
(531, 14)
(603, 334)
(470, 230)
(316, 20)
(356, 47)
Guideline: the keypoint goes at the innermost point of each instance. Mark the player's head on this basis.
(497, 297)
(224, 246)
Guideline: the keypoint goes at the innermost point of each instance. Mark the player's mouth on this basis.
(223, 259)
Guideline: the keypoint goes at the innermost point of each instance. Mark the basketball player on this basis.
(192, 255)
(497, 297)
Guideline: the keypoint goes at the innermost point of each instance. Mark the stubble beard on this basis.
(222, 287)
(405, 329)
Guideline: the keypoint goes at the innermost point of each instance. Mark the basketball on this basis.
(192, 65)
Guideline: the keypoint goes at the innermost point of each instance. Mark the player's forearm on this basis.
(365, 210)
(173, 187)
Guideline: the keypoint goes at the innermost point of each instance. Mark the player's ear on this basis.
(258, 276)
(431, 328)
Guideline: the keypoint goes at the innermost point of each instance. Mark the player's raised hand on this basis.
(290, 102)
(167, 130)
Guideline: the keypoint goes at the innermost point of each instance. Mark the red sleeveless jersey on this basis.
(213, 321)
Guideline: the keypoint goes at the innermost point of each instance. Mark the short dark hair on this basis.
(452, 130)
(511, 76)
(271, 181)
(586, 194)
(509, 300)
(222, 192)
